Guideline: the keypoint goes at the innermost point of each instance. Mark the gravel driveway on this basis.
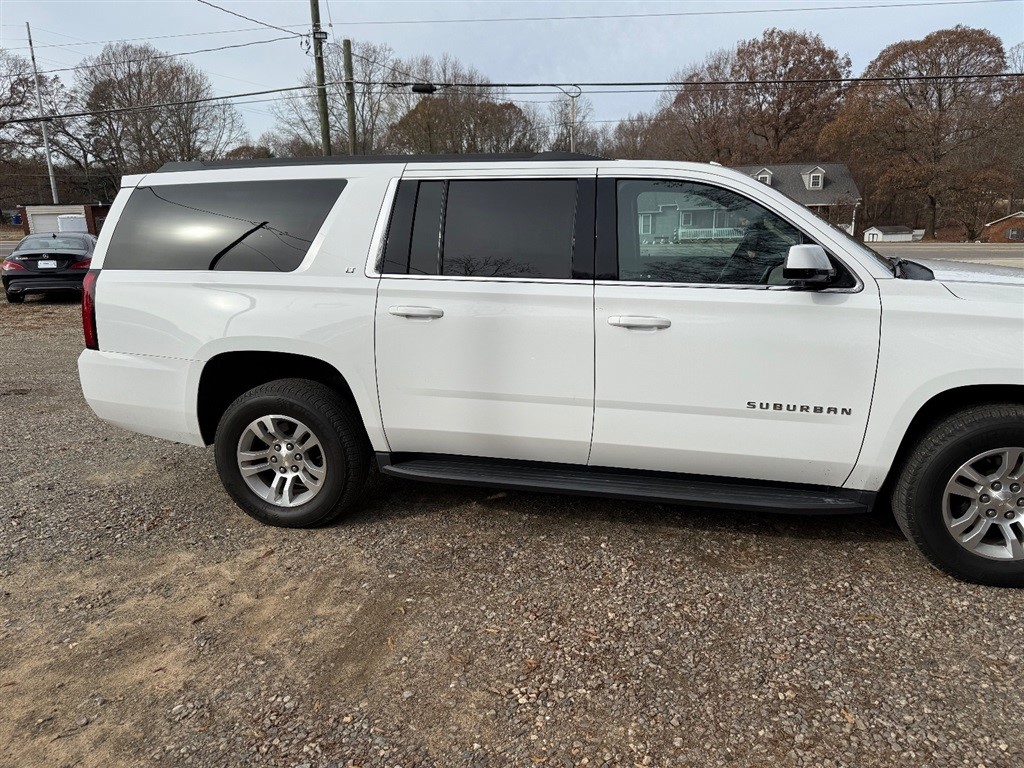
(144, 620)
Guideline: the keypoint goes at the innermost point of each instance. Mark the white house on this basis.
(888, 235)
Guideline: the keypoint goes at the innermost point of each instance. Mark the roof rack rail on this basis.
(203, 165)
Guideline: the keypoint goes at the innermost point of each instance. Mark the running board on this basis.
(658, 487)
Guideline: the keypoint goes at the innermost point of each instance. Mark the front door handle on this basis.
(425, 312)
(637, 323)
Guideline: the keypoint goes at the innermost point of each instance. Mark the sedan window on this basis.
(51, 243)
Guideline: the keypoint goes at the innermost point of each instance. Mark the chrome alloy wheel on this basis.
(281, 461)
(983, 504)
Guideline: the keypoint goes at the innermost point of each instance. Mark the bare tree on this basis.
(700, 120)
(465, 117)
(125, 137)
(634, 137)
(16, 101)
(562, 115)
(23, 173)
(1012, 148)
(377, 106)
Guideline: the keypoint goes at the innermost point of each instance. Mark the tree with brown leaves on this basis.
(931, 140)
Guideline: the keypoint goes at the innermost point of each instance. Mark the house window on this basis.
(815, 181)
(686, 219)
(765, 178)
(1015, 234)
(646, 223)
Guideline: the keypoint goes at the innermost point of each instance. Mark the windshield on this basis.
(885, 262)
(50, 243)
(871, 252)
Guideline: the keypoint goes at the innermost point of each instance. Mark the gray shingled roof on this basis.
(838, 188)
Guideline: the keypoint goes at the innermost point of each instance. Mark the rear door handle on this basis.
(424, 312)
(638, 323)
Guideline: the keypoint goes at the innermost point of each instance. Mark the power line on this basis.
(384, 64)
(145, 39)
(365, 84)
(680, 83)
(159, 56)
(249, 18)
(144, 107)
(676, 14)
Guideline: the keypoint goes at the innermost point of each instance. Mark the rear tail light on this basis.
(89, 309)
(84, 264)
(9, 265)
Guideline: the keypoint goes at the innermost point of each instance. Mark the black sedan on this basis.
(47, 262)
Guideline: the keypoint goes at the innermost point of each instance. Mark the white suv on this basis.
(650, 330)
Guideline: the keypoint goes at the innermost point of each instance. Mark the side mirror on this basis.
(808, 264)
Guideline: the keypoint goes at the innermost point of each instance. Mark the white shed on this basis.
(888, 235)
(43, 218)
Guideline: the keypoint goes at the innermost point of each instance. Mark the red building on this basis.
(1009, 229)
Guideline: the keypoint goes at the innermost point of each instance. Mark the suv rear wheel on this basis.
(292, 453)
(960, 495)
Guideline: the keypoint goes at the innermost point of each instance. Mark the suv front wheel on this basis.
(292, 453)
(960, 495)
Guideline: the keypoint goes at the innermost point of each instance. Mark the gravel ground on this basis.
(145, 620)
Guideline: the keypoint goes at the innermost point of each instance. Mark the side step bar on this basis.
(658, 487)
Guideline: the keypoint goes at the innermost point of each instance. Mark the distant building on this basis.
(828, 189)
(888, 235)
(44, 218)
(1009, 229)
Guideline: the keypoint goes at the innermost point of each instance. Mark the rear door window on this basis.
(252, 226)
(509, 228)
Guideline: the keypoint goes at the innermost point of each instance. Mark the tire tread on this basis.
(940, 435)
(343, 421)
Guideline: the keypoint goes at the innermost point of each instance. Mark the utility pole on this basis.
(350, 95)
(572, 123)
(39, 102)
(572, 113)
(321, 88)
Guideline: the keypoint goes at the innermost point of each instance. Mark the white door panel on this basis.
(486, 367)
(675, 396)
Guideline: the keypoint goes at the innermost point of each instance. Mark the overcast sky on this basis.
(632, 48)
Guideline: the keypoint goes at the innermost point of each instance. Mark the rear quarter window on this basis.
(251, 226)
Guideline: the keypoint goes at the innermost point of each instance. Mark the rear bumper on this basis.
(140, 393)
(44, 283)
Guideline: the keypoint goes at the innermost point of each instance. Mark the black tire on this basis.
(918, 492)
(15, 298)
(342, 439)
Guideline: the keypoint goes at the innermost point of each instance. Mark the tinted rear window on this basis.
(50, 243)
(252, 226)
(513, 228)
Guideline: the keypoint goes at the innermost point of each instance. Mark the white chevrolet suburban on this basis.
(669, 332)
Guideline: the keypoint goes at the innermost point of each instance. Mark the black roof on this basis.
(202, 165)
